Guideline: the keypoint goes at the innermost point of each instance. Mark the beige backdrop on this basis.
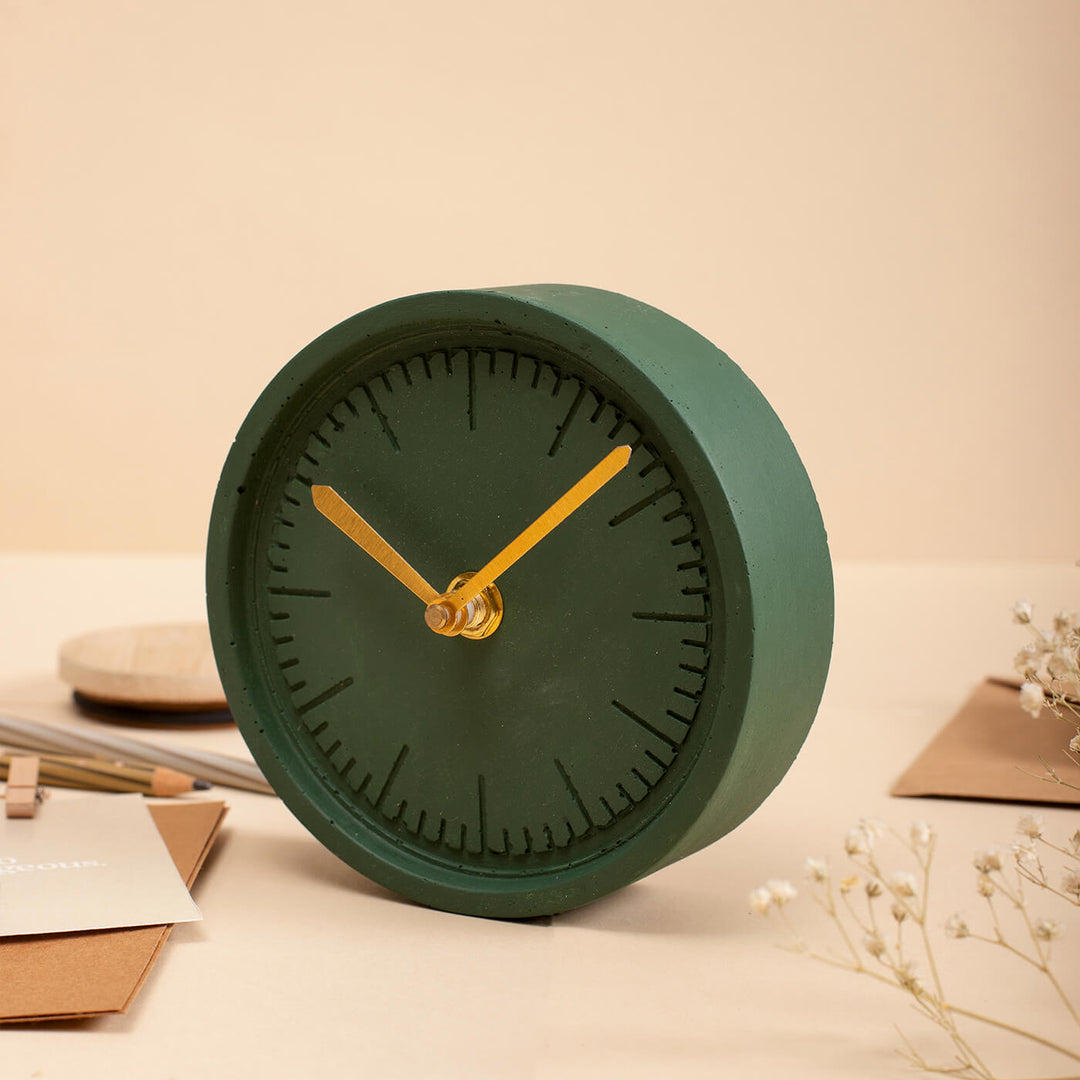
(871, 206)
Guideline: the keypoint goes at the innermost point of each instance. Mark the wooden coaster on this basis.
(156, 668)
(140, 715)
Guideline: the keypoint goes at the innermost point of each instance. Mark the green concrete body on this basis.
(663, 651)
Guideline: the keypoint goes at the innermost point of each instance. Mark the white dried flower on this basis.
(816, 869)
(874, 945)
(1074, 743)
(987, 861)
(902, 883)
(874, 827)
(1062, 663)
(1030, 825)
(1047, 929)
(1074, 842)
(956, 927)
(849, 883)
(1031, 698)
(984, 886)
(1027, 856)
(860, 840)
(1065, 622)
(905, 976)
(873, 889)
(781, 891)
(899, 912)
(921, 834)
(1028, 660)
(857, 843)
(760, 900)
(1021, 612)
(1070, 883)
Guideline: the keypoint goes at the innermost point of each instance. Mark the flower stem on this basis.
(1021, 1032)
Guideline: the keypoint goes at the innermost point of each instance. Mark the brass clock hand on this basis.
(338, 512)
(442, 615)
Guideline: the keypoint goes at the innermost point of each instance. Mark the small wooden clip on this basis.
(23, 793)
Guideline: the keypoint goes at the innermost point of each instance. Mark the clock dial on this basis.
(570, 746)
(560, 734)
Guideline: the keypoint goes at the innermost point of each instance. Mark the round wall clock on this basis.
(517, 595)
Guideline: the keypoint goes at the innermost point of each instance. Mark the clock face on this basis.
(541, 765)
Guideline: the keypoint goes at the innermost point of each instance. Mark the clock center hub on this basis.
(478, 618)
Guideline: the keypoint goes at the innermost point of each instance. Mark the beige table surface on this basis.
(302, 968)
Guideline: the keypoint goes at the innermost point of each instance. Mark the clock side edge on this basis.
(783, 594)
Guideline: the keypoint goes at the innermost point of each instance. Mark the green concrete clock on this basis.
(517, 595)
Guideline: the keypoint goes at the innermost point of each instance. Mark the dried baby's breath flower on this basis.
(956, 927)
(874, 945)
(921, 834)
(1021, 612)
(1032, 698)
(1047, 929)
(905, 976)
(1028, 660)
(861, 839)
(1030, 825)
(781, 891)
(1050, 664)
(1070, 883)
(902, 883)
(1051, 661)
(1027, 855)
(1061, 663)
(760, 900)
(1003, 871)
(857, 843)
(874, 827)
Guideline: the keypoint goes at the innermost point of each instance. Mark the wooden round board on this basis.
(168, 668)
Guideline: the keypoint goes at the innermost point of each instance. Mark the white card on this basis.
(89, 863)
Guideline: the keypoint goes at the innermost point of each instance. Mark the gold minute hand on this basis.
(558, 512)
(337, 511)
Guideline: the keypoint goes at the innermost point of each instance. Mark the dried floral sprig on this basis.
(887, 953)
(1050, 666)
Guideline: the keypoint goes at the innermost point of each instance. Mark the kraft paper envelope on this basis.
(70, 976)
(990, 749)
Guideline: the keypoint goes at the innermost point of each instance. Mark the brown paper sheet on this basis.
(989, 749)
(70, 976)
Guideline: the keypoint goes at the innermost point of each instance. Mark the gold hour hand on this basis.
(338, 512)
(558, 512)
